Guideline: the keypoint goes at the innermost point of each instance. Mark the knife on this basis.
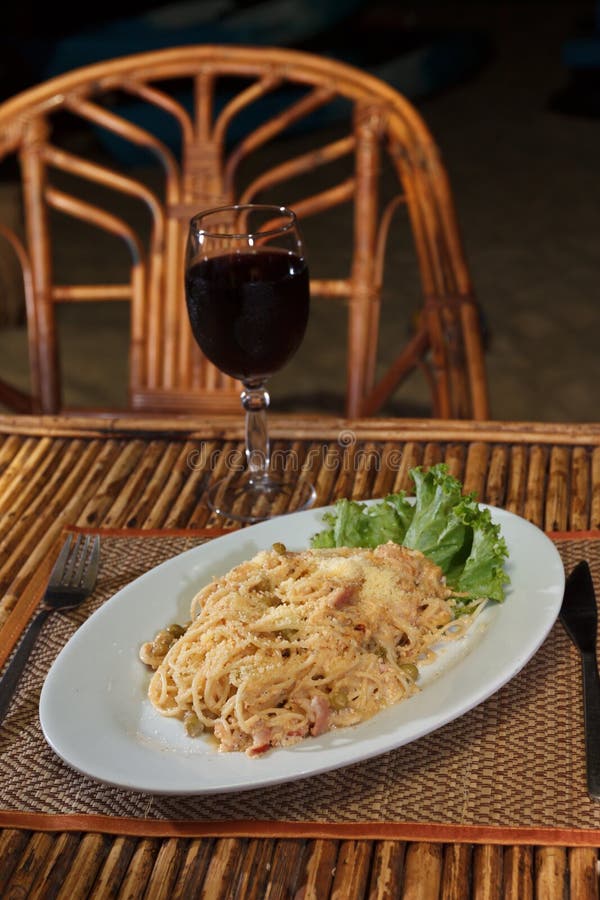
(579, 616)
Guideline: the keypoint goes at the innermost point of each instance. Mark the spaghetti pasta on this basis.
(292, 644)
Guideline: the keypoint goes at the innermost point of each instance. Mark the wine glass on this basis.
(247, 294)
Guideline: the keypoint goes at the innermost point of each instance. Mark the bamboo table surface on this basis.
(149, 473)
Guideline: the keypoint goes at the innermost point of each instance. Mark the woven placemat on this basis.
(514, 762)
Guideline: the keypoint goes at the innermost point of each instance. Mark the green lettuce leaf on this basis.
(483, 573)
(450, 528)
(354, 524)
(435, 529)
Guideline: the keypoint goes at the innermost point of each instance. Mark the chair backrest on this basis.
(215, 118)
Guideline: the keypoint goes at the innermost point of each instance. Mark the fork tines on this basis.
(77, 563)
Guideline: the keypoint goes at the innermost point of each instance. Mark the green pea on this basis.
(192, 724)
(176, 630)
(338, 699)
(411, 670)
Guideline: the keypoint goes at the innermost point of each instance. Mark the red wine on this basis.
(248, 311)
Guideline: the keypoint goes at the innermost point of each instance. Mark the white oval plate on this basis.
(96, 716)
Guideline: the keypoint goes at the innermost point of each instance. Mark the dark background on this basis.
(511, 93)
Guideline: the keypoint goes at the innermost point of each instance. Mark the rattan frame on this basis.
(167, 373)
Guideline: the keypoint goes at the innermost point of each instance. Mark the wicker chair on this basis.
(207, 115)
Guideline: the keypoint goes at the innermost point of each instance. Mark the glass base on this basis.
(248, 498)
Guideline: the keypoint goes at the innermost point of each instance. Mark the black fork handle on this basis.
(591, 710)
(10, 679)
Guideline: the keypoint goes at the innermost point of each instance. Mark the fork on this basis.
(72, 580)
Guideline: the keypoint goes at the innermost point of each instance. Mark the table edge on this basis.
(299, 427)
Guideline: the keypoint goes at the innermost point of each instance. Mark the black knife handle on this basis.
(591, 710)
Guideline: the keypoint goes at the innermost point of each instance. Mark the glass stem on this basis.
(255, 400)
